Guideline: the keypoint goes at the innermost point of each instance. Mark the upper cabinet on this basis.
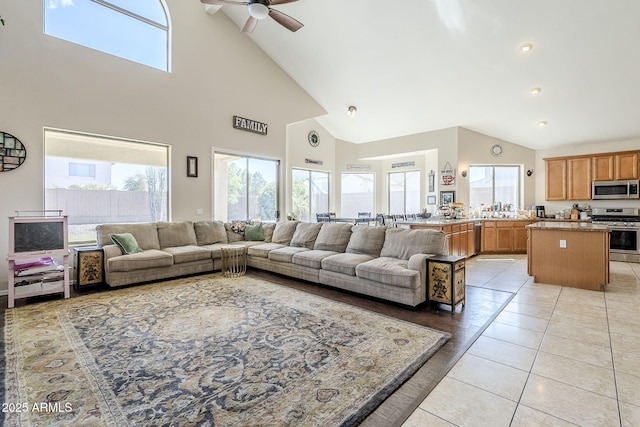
(556, 179)
(626, 166)
(570, 178)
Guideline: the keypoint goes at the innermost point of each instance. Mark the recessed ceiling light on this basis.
(535, 91)
(526, 47)
(542, 123)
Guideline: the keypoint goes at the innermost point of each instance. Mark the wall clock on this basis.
(12, 152)
(496, 150)
(314, 138)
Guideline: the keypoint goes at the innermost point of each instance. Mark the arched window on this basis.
(135, 30)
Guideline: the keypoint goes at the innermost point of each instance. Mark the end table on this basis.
(446, 281)
(89, 267)
(234, 260)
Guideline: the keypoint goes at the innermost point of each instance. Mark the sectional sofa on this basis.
(382, 262)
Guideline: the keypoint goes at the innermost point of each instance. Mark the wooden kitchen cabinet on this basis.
(603, 167)
(579, 178)
(504, 236)
(471, 240)
(626, 165)
(556, 179)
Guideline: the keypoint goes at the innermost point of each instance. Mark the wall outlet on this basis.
(199, 211)
(563, 243)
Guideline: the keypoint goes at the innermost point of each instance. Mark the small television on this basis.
(31, 235)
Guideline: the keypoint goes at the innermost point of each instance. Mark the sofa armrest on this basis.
(418, 262)
(111, 251)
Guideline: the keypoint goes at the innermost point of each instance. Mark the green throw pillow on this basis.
(253, 232)
(126, 242)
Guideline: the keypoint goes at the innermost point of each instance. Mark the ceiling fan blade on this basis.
(250, 25)
(242, 3)
(285, 20)
(276, 2)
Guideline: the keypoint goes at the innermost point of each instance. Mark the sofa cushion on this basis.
(253, 232)
(262, 250)
(366, 240)
(267, 229)
(392, 271)
(126, 242)
(189, 253)
(333, 236)
(146, 233)
(305, 235)
(312, 258)
(172, 234)
(210, 232)
(284, 232)
(285, 253)
(150, 258)
(402, 243)
(235, 231)
(345, 263)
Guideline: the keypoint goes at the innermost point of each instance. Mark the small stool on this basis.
(446, 281)
(234, 260)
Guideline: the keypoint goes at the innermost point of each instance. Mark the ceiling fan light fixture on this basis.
(351, 112)
(258, 10)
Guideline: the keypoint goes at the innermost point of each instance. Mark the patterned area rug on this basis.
(205, 351)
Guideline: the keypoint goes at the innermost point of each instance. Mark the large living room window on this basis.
(135, 30)
(491, 183)
(245, 187)
(96, 180)
(310, 193)
(357, 194)
(404, 192)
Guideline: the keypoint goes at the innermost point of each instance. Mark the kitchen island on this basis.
(574, 254)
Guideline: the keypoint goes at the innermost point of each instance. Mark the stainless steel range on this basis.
(624, 224)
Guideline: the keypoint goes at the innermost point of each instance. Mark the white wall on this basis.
(217, 72)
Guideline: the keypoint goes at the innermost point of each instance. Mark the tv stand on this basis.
(47, 238)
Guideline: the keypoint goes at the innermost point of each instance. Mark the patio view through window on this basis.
(357, 195)
(96, 180)
(404, 192)
(489, 184)
(245, 188)
(310, 194)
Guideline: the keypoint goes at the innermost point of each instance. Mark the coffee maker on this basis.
(539, 210)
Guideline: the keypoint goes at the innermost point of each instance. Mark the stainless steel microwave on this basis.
(607, 190)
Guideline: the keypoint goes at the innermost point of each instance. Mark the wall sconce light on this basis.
(530, 172)
(464, 173)
(351, 112)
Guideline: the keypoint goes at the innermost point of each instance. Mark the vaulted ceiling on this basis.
(414, 66)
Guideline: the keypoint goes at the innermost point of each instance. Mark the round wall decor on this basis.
(496, 150)
(12, 152)
(314, 138)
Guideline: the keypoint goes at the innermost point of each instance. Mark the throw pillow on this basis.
(253, 233)
(126, 242)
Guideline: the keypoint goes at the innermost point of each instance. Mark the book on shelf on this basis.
(31, 266)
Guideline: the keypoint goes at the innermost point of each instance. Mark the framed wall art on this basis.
(192, 166)
(447, 197)
(431, 200)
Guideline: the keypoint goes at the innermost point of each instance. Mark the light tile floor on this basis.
(555, 356)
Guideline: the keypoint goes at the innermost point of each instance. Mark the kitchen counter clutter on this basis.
(569, 254)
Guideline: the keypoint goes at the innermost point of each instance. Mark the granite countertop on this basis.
(442, 221)
(568, 226)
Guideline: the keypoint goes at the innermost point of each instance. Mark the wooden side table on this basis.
(446, 280)
(234, 260)
(89, 266)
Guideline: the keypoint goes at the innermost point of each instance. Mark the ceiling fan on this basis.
(259, 9)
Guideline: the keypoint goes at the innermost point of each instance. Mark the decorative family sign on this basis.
(249, 125)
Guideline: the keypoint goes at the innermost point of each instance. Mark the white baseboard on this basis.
(5, 292)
